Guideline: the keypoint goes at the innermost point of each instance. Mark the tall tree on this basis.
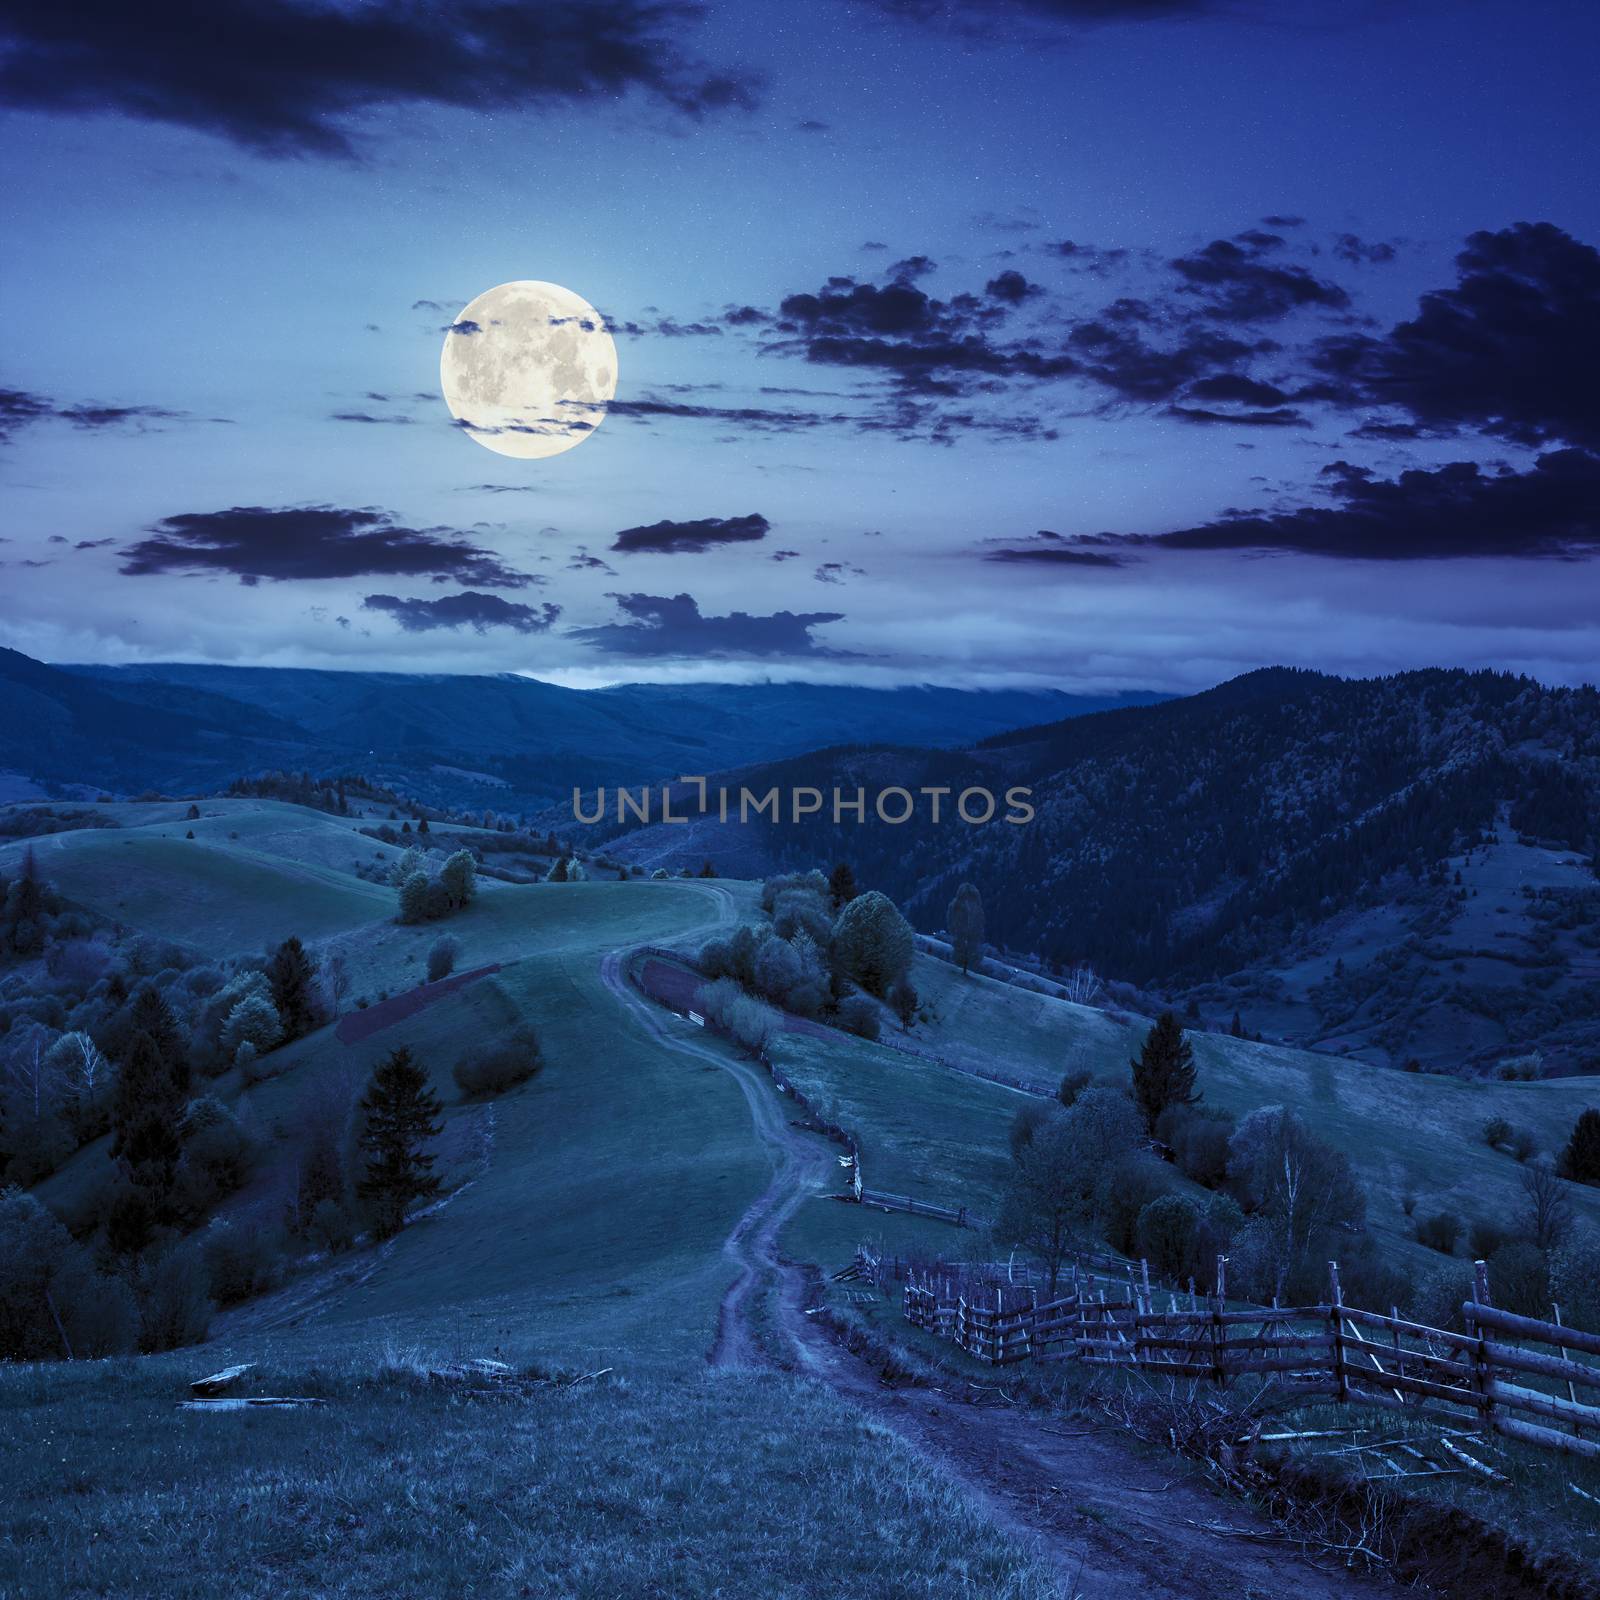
(1164, 1075)
(842, 886)
(459, 875)
(399, 1115)
(292, 978)
(1581, 1159)
(145, 1114)
(965, 921)
(873, 942)
(150, 1014)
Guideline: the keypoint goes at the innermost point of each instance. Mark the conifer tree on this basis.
(145, 1114)
(842, 886)
(291, 976)
(1164, 1074)
(1580, 1161)
(150, 1014)
(399, 1116)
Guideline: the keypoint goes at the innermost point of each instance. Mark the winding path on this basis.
(1116, 1523)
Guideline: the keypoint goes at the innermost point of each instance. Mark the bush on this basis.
(1030, 1118)
(1496, 1132)
(1523, 1144)
(1486, 1237)
(1198, 1140)
(858, 1015)
(1072, 1085)
(1167, 1229)
(1127, 1185)
(1441, 1232)
(492, 1069)
(1519, 1279)
(750, 1022)
(174, 1301)
(802, 911)
(240, 1261)
(1575, 1280)
(442, 956)
(332, 1228)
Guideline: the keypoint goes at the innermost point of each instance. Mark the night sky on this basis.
(1094, 343)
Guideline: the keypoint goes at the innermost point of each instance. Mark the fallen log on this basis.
(218, 1382)
(236, 1402)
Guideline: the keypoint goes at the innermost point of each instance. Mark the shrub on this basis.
(1441, 1232)
(1072, 1085)
(1128, 1183)
(858, 1015)
(492, 1069)
(442, 957)
(1575, 1279)
(1167, 1229)
(240, 1261)
(174, 1301)
(1496, 1132)
(1487, 1236)
(1030, 1118)
(1523, 1144)
(1198, 1140)
(1580, 1161)
(1519, 1279)
(802, 911)
(253, 1021)
(332, 1227)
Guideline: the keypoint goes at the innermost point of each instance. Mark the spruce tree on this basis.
(1164, 1074)
(150, 1014)
(842, 886)
(399, 1116)
(145, 1113)
(291, 976)
(1580, 1161)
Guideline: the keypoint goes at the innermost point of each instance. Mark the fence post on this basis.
(1216, 1320)
(1483, 1373)
(1336, 1324)
(1572, 1393)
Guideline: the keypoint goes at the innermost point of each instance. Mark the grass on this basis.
(634, 1488)
(216, 898)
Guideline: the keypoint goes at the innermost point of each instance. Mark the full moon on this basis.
(528, 369)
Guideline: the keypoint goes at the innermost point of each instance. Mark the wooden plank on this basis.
(218, 1382)
(1531, 1328)
(1504, 1355)
(1530, 1433)
(1544, 1405)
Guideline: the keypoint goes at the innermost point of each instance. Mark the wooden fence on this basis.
(1498, 1373)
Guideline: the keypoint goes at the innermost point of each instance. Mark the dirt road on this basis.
(1117, 1524)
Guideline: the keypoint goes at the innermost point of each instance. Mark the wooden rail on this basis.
(1481, 1377)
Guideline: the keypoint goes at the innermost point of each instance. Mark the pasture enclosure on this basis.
(1495, 1374)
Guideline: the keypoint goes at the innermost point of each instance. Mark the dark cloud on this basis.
(582, 561)
(19, 409)
(1011, 287)
(1047, 549)
(1113, 350)
(979, 16)
(1459, 511)
(704, 533)
(1235, 387)
(912, 268)
(1238, 283)
(93, 544)
(367, 416)
(1284, 222)
(811, 125)
(784, 555)
(838, 571)
(745, 316)
(661, 625)
(1281, 417)
(1362, 253)
(294, 78)
(466, 327)
(467, 610)
(874, 244)
(1512, 349)
(430, 305)
(1088, 257)
(277, 543)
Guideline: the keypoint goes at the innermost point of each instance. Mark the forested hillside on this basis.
(1352, 854)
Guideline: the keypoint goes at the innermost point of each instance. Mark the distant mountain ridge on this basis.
(1286, 845)
(505, 740)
